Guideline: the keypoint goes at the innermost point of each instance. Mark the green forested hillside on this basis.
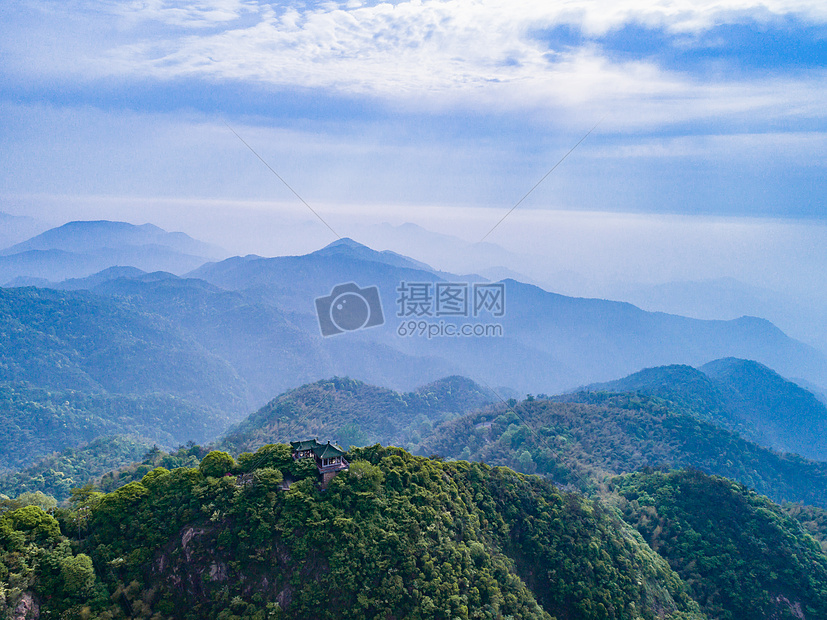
(742, 396)
(38, 421)
(58, 474)
(812, 518)
(607, 434)
(354, 413)
(397, 536)
(792, 419)
(741, 555)
(688, 389)
(79, 341)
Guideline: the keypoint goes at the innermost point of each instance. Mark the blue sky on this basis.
(709, 107)
(438, 112)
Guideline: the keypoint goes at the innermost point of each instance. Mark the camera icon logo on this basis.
(349, 308)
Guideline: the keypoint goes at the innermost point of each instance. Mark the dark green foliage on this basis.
(39, 568)
(396, 536)
(58, 474)
(741, 555)
(579, 443)
(39, 421)
(353, 413)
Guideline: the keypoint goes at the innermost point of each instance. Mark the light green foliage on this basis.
(34, 523)
(271, 455)
(365, 477)
(78, 574)
(216, 464)
(37, 498)
(302, 469)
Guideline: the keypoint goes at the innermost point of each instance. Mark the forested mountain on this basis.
(354, 413)
(59, 473)
(395, 536)
(740, 395)
(597, 435)
(403, 536)
(741, 555)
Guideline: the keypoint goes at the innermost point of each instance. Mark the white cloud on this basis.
(804, 148)
(190, 14)
(481, 53)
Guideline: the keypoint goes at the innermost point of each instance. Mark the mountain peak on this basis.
(84, 236)
(348, 246)
(347, 242)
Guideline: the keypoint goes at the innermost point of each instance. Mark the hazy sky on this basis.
(709, 159)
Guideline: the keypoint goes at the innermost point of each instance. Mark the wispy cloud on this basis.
(490, 54)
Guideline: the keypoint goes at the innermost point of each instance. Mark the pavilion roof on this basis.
(327, 451)
(307, 444)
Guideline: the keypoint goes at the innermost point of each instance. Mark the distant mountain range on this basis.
(550, 342)
(80, 249)
(17, 228)
(229, 335)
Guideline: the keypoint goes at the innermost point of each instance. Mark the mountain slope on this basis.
(743, 558)
(270, 349)
(594, 436)
(549, 343)
(396, 536)
(740, 395)
(354, 413)
(74, 366)
(79, 341)
(17, 228)
(792, 418)
(37, 421)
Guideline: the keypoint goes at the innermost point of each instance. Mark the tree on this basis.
(34, 522)
(216, 464)
(78, 574)
(37, 498)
